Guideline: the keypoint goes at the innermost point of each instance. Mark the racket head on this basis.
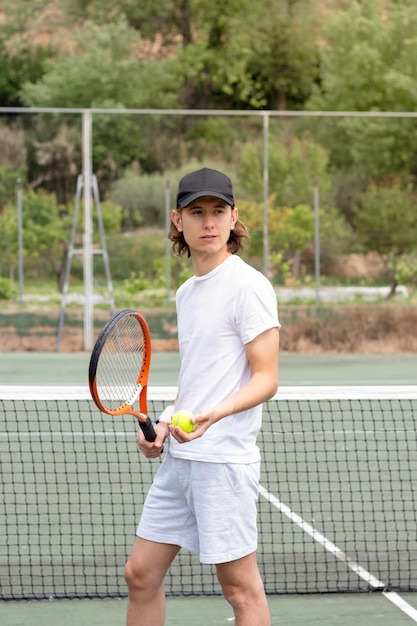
(119, 367)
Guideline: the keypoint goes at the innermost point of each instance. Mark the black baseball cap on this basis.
(204, 182)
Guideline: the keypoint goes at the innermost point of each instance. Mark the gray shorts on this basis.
(208, 508)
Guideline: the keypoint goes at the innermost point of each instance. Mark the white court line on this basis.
(119, 433)
(392, 596)
(71, 434)
(287, 392)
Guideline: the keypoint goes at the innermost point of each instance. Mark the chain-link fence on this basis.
(329, 196)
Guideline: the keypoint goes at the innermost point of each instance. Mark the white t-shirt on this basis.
(218, 314)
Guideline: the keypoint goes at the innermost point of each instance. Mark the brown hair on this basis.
(235, 242)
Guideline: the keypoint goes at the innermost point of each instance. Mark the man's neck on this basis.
(204, 264)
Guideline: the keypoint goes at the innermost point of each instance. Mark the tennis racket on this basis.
(119, 368)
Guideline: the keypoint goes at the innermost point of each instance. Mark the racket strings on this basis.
(121, 360)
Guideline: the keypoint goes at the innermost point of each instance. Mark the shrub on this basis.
(7, 289)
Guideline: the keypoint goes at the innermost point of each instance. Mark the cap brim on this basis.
(188, 199)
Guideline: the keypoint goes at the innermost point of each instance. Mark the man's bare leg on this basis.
(243, 589)
(144, 573)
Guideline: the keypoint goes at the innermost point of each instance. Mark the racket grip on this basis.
(148, 429)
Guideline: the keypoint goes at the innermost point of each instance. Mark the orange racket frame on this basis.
(141, 388)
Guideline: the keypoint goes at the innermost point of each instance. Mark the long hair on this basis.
(235, 242)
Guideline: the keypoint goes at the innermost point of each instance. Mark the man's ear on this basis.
(176, 220)
(235, 217)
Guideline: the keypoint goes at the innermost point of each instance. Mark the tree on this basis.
(236, 54)
(104, 71)
(368, 64)
(13, 151)
(269, 60)
(46, 227)
(59, 160)
(23, 50)
(294, 164)
(283, 63)
(294, 234)
(142, 199)
(46, 231)
(101, 69)
(385, 219)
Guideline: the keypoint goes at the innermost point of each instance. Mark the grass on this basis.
(43, 295)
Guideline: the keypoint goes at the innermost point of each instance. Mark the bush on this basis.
(7, 289)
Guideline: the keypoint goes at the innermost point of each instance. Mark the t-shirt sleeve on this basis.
(256, 308)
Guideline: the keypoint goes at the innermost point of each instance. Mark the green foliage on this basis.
(281, 265)
(8, 182)
(200, 54)
(213, 130)
(21, 57)
(295, 234)
(134, 252)
(57, 152)
(46, 227)
(45, 223)
(369, 64)
(104, 72)
(13, 156)
(136, 282)
(222, 58)
(228, 60)
(8, 289)
(294, 165)
(141, 198)
(296, 229)
(385, 219)
(281, 54)
(407, 269)
(139, 260)
(101, 69)
(291, 233)
(140, 281)
(151, 18)
(183, 273)
(112, 216)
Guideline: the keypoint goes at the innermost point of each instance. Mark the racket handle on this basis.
(148, 429)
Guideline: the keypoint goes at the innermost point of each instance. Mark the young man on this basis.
(204, 494)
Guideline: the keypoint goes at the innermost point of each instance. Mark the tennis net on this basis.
(336, 510)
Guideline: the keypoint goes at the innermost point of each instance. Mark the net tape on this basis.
(336, 507)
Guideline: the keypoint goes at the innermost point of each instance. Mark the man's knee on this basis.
(242, 597)
(235, 597)
(130, 574)
(135, 575)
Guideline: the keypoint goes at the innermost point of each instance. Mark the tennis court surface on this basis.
(54, 368)
(336, 512)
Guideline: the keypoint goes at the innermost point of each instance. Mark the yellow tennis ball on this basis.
(183, 420)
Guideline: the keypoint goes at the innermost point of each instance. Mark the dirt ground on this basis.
(361, 329)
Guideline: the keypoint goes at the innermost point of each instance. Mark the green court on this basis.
(368, 460)
(52, 368)
(311, 610)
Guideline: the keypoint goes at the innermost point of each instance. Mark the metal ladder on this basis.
(72, 251)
